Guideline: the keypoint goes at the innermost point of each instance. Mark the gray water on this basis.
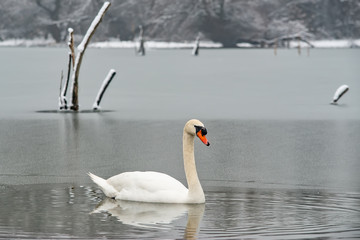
(283, 163)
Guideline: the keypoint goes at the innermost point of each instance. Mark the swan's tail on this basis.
(108, 190)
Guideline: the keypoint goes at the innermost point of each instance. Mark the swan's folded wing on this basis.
(148, 187)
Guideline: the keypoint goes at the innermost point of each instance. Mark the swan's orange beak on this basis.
(203, 138)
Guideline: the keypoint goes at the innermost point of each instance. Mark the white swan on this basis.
(159, 187)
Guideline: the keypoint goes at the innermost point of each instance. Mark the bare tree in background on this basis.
(60, 14)
(52, 8)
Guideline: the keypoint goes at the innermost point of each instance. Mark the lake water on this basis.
(283, 163)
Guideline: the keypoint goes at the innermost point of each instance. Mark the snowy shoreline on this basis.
(342, 43)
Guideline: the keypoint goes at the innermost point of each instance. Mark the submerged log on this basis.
(103, 88)
(81, 50)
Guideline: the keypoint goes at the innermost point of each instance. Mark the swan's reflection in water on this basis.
(153, 215)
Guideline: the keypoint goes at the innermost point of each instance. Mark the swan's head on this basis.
(195, 127)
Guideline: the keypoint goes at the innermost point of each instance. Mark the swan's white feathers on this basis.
(108, 189)
(147, 187)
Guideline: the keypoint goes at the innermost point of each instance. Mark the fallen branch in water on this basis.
(339, 93)
(103, 88)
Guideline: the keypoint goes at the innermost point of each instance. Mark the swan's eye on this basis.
(198, 128)
(203, 131)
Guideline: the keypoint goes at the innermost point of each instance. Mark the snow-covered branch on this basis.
(103, 88)
(71, 45)
(95, 23)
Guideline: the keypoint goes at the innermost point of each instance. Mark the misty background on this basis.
(224, 21)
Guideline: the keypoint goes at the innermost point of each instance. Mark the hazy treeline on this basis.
(225, 21)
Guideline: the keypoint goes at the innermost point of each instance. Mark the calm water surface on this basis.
(283, 163)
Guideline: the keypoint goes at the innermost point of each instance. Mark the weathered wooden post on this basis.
(195, 50)
(81, 50)
(275, 47)
(141, 50)
(103, 88)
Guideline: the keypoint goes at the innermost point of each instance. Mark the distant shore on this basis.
(114, 43)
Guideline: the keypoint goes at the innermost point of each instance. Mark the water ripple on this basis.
(81, 212)
(282, 214)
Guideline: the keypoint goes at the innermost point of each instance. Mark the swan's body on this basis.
(160, 187)
(143, 187)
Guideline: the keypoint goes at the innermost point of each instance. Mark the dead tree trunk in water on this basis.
(81, 50)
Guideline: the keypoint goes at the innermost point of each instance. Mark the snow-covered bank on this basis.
(39, 42)
(154, 44)
(343, 43)
(107, 44)
(336, 43)
(207, 44)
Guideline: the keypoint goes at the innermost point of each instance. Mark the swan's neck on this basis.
(196, 193)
